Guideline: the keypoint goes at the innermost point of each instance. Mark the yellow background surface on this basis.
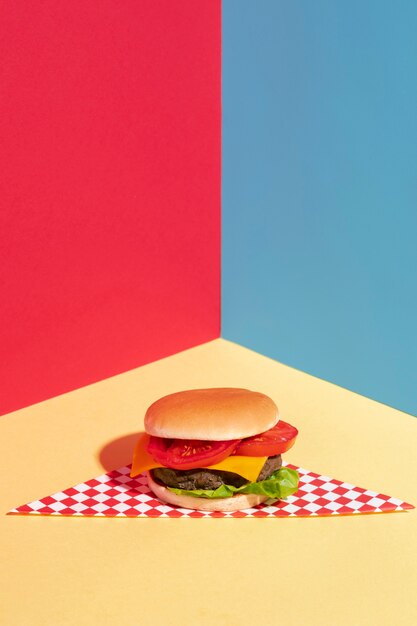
(352, 570)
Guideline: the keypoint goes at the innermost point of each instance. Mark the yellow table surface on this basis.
(353, 570)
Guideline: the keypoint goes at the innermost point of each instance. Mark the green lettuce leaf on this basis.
(280, 485)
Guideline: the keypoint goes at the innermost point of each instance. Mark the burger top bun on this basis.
(216, 414)
(235, 503)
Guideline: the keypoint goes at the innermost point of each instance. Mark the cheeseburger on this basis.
(215, 450)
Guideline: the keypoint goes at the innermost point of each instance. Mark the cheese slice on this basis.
(247, 466)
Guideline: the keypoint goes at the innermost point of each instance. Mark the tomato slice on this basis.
(276, 440)
(185, 454)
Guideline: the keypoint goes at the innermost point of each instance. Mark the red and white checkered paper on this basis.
(115, 494)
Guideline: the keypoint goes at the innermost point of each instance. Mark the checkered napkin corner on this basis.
(115, 494)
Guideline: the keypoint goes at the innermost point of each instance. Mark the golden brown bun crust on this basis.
(216, 414)
(236, 503)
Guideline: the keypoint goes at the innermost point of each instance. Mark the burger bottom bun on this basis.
(235, 503)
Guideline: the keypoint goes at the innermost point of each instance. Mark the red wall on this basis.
(110, 200)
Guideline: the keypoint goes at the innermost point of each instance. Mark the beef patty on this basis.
(210, 479)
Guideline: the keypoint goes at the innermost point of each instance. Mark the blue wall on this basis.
(320, 189)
